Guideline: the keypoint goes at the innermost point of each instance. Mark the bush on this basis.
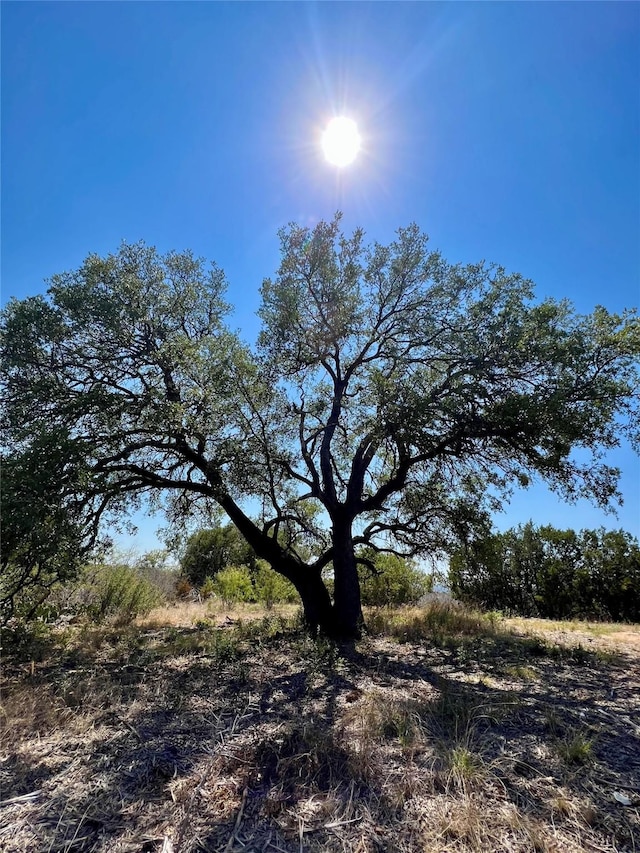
(117, 591)
(213, 549)
(271, 587)
(393, 581)
(27, 640)
(233, 585)
(208, 588)
(183, 588)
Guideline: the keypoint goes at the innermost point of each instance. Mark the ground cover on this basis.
(201, 730)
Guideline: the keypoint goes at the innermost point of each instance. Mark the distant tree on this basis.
(209, 551)
(559, 574)
(392, 398)
(611, 562)
(160, 570)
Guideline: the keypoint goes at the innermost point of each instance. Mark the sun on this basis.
(341, 141)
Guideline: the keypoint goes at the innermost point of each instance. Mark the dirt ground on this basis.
(439, 734)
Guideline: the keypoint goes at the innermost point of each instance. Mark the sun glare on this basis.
(341, 141)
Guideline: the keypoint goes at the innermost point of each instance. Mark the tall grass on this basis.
(435, 621)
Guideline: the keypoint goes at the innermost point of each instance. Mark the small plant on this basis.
(404, 723)
(575, 748)
(223, 646)
(381, 718)
(608, 657)
(521, 672)
(464, 766)
(218, 643)
(306, 757)
(270, 626)
(320, 654)
(536, 647)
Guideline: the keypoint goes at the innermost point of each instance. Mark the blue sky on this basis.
(509, 132)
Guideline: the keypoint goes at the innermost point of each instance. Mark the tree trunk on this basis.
(347, 608)
(342, 620)
(316, 602)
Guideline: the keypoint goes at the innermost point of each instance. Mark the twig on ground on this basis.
(23, 798)
(238, 820)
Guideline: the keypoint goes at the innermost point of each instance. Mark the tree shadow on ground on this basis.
(250, 745)
(564, 715)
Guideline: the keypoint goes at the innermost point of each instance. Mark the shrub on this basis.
(117, 591)
(27, 640)
(208, 588)
(393, 581)
(182, 587)
(271, 587)
(233, 585)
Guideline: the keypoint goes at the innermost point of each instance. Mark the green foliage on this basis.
(557, 574)
(575, 749)
(221, 645)
(208, 588)
(233, 585)
(392, 581)
(117, 591)
(393, 397)
(42, 537)
(270, 587)
(209, 551)
(28, 640)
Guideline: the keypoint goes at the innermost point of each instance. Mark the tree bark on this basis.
(341, 620)
(347, 608)
(316, 601)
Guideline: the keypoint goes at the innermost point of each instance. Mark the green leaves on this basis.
(390, 392)
(557, 574)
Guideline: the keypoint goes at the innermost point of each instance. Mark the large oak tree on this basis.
(391, 399)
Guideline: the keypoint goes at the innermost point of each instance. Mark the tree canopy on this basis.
(391, 401)
(43, 537)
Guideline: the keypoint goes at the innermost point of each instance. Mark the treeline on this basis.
(529, 571)
(551, 573)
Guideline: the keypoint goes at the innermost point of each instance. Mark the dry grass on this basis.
(574, 625)
(439, 622)
(195, 729)
(187, 614)
(599, 634)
